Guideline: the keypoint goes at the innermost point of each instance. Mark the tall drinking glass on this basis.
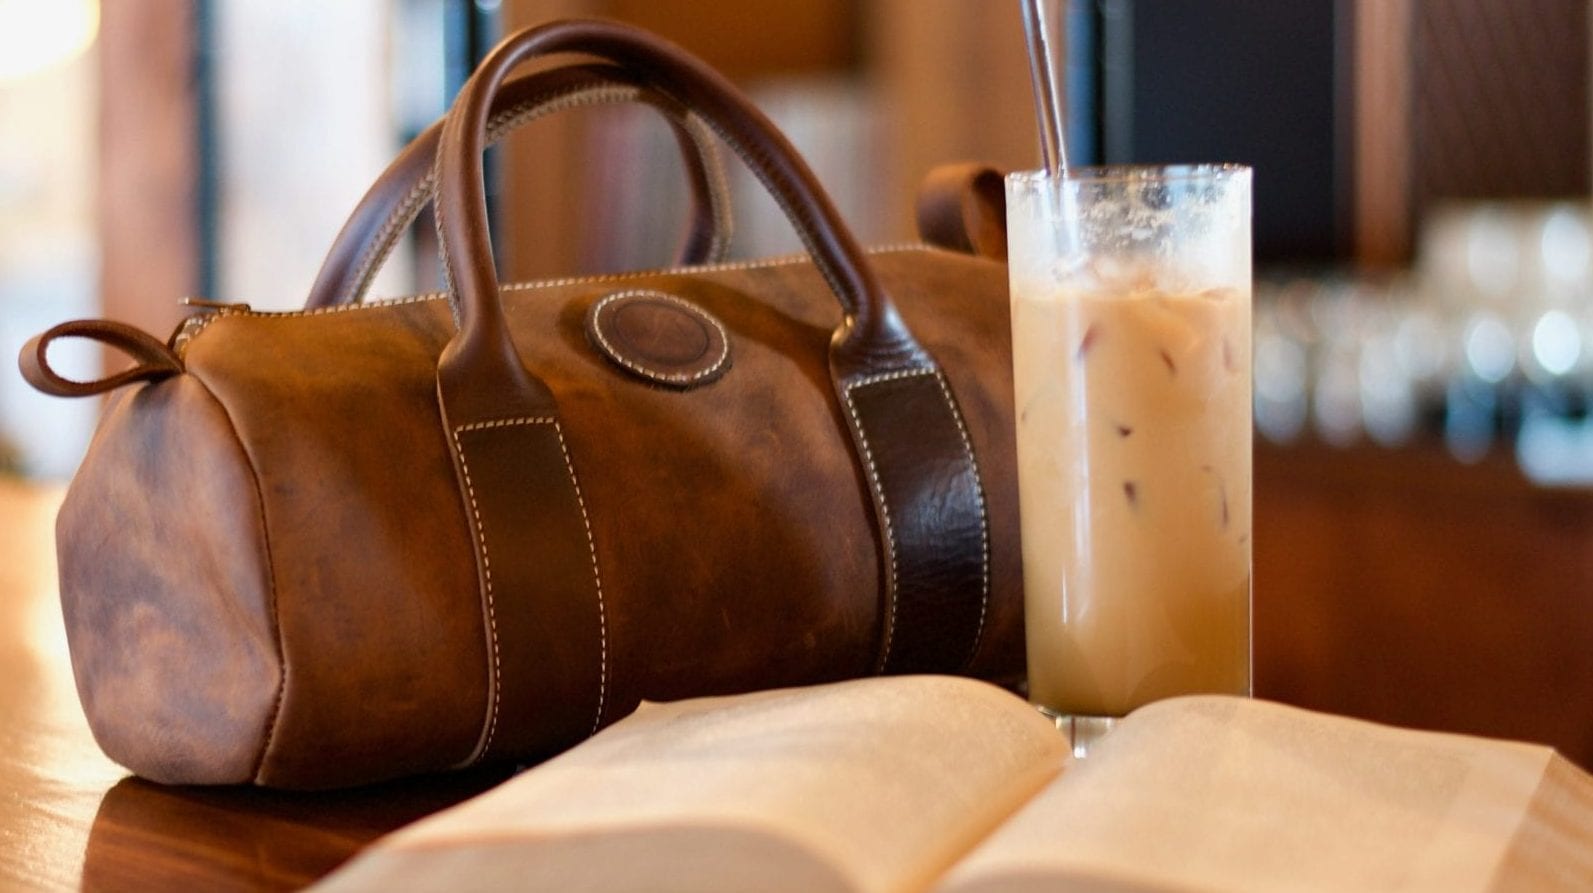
(1131, 353)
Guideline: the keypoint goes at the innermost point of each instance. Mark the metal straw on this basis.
(1043, 54)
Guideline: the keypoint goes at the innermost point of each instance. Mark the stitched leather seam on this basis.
(271, 584)
(597, 580)
(873, 472)
(486, 577)
(758, 162)
(450, 287)
(718, 187)
(375, 254)
(600, 279)
(879, 492)
(614, 353)
(591, 546)
(498, 127)
(984, 516)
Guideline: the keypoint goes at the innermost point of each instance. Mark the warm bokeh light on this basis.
(37, 34)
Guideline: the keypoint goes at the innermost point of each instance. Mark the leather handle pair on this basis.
(871, 336)
(409, 183)
(908, 435)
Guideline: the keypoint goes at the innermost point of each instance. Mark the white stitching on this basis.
(718, 188)
(506, 423)
(375, 255)
(591, 546)
(450, 285)
(613, 353)
(597, 580)
(758, 163)
(761, 264)
(535, 108)
(729, 266)
(884, 507)
(765, 263)
(498, 126)
(873, 471)
(984, 517)
(797, 213)
(486, 574)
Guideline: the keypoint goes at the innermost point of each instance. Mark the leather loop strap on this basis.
(153, 359)
(963, 207)
(408, 185)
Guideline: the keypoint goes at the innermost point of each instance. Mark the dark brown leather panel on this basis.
(959, 307)
(166, 590)
(547, 636)
(927, 492)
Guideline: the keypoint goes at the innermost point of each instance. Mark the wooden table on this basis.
(1400, 586)
(70, 818)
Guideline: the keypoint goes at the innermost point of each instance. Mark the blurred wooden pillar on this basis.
(148, 161)
(541, 235)
(954, 86)
(543, 211)
(1383, 131)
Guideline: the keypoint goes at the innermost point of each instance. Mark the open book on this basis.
(945, 784)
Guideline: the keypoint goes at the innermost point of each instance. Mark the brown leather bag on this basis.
(354, 542)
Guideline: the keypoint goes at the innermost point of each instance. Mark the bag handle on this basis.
(908, 437)
(481, 359)
(409, 183)
(154, 360)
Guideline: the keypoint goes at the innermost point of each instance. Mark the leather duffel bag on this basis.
(363, 540)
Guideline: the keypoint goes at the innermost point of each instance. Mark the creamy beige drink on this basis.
(1134, 471)
(1131, 352)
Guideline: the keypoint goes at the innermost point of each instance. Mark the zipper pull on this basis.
(216, 306)
(191, 326)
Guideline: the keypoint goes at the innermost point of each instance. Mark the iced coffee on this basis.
(1131, 351)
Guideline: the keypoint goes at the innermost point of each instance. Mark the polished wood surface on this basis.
(1406, 587)
(72, 819)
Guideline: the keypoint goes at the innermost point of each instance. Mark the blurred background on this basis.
(1424, 316)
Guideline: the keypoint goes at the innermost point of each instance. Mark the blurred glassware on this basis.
(1487, 343)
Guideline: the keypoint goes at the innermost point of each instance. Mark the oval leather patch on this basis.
(659, 337)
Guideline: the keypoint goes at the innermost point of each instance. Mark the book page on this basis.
(1221, 793)
(869, 785)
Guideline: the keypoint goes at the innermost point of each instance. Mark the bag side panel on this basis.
(378, 600)
(166, 590)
